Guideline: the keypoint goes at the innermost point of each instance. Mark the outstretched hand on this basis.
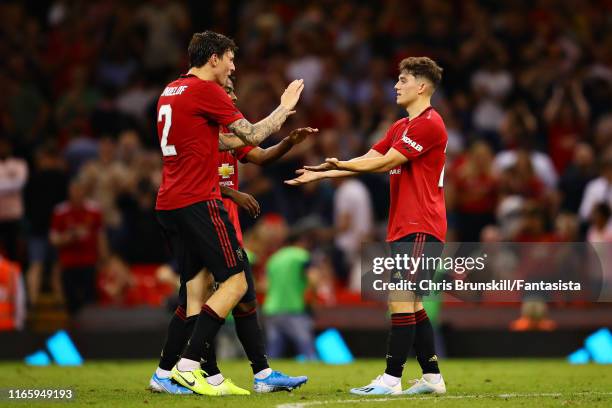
(305, 176)
(291, 96)
(248, 202)
(319, 167)
(333, 162)
(297, 136)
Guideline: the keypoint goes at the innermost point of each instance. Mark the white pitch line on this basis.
(447, 397)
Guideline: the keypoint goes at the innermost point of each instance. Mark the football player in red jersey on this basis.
(413, 152)
(245, 313)
(191, 110)
(227, 166)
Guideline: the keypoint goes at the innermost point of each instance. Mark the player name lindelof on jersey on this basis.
(502, 285)
(174, 90)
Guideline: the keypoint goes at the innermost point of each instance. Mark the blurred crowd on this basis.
(525, 97)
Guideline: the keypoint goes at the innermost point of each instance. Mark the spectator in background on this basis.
(113, 282)
(600, 229)
(353, 224)
(518, 131)
(597, 191)
(13, 177)
(600, 234)
(521, 179)
(491, 84)
(45, 189)
(350, 141)
(104, 180)
(566, 115)
(540, 162)
(137, 97)
(143, 238)
(77, 102)
(289, 275)
(509, 214)
(166, 23)
(576, 177)
(81, 148)
(268, 194)
(602, 138)
(12, 296)
(532, 267)
(76, 232)
(26, 107)
(267, 236)
(476, 188)
(534, 225)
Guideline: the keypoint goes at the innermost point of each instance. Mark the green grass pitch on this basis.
(470, 383)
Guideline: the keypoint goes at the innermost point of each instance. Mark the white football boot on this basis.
(422, 386)
(378, 387)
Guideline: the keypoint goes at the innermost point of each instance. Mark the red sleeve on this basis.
(421, 137)
(384, 144)
(214, 103)
(241, 152)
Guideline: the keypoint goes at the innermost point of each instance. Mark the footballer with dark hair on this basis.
(247, 326)
(190, 112)
(413, 152)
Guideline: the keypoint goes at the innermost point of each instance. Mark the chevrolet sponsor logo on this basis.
(226, 170)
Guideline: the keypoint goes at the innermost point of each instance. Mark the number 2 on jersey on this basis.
(166, 111)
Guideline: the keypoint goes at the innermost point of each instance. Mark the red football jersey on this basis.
(228, 177)
(417, 193)
(189, 113)
(85, 221)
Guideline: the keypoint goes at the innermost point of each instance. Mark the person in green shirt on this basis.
(289, 274)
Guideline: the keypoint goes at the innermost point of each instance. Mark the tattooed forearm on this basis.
(254, 134)
(229, 141)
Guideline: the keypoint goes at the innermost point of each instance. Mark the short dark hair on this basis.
(203, 45)
(424, 67)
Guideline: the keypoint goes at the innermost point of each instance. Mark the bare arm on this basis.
(554, 104)
(244, 200)
(229, 141)
(227, 192)
(327, 170)
(60, 239)
(381, 164)
(582, 106)
(254, 134)
(262, 157)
